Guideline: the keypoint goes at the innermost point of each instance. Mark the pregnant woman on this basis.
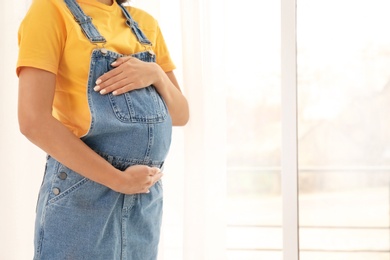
(98, 94)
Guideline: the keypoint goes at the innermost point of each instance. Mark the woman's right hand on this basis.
(138, 179)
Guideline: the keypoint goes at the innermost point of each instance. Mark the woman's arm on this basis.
(131, 73)
(36, 93)
(169, 89)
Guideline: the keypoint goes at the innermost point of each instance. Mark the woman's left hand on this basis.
(129, 73)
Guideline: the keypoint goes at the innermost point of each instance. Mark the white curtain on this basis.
(205, 136)
(194, 183)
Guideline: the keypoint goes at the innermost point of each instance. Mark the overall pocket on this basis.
(139, 106)
(143, 105)
(64, 183)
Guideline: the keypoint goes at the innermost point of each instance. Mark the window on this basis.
(252, 48)
(344, 163)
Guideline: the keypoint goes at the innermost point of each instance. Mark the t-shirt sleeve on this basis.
(41, 37)
(163, 57)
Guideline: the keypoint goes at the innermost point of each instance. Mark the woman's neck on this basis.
(106, 2)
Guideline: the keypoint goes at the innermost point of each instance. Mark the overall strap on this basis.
(85, 22)
(135, 28)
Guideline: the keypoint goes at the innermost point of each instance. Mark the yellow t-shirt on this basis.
(50, 39)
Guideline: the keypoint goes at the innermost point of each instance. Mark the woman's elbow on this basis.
(181, 121)
(25, 126)
(28, 125)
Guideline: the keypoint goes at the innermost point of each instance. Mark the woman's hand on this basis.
(137, 179)
(129, 73)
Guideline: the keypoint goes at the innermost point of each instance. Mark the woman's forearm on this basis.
(169, 89)
(55, 139)
(36, 93)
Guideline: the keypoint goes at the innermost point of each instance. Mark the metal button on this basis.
(56, 191)
(63, 175)
(104, 51)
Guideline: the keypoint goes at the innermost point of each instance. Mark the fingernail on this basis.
(98, 81)
(113, 64)
(115, 93)
(103, 91)
(148, 191)
(96, 88)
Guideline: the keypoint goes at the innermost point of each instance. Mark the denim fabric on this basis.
(85, 22)
(80, 219)
(135, 28)
(134, 125)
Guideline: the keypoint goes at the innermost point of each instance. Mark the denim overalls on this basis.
(80, 219)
